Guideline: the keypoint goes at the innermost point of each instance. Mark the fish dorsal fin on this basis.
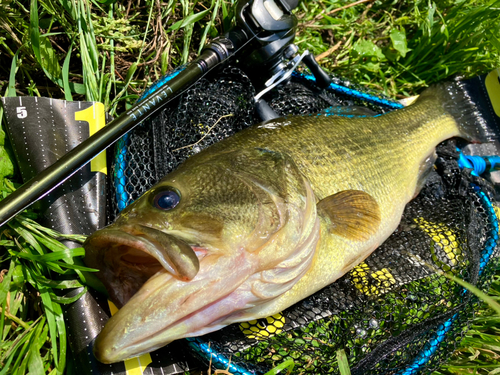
(352, 214)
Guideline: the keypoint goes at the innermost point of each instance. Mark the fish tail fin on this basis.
(456, 101)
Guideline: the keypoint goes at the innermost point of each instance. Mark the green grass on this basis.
(400, 47)
(111, 51)
(480, 350)
(32, 326)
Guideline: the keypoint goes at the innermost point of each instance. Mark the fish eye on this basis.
(166, 199)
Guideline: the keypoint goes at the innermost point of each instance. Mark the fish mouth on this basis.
(159, 304)
(129, 256)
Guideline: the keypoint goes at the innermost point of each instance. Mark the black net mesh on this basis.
(213, 109)
(396, 312)
(208, 112)
(301, 97)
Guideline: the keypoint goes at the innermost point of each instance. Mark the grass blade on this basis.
(7, 357)
(483, 296)
(88, 53)
(190, 19)
(35, 363)
(11, 88)
(5, 284)
(51, 321)
(343, 363)
(42, 48)
(209, 25)
(27, 236)
(61, 332)
(65, 75)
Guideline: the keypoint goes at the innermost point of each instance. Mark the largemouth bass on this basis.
(265, 218)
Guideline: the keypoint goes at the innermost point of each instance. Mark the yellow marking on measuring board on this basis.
(94, 116)
(492, 83)
(137, 365)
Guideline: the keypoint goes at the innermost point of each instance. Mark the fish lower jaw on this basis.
(145, 323)
(111, 347)
(108, 353)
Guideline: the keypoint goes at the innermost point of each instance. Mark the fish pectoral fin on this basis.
(352, 214)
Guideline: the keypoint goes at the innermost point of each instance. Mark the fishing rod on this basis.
(264, 29)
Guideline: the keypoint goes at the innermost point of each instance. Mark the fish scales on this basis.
(330, 150)
(265, 218)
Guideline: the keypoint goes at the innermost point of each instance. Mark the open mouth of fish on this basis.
(163, 293)
(129, 256)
